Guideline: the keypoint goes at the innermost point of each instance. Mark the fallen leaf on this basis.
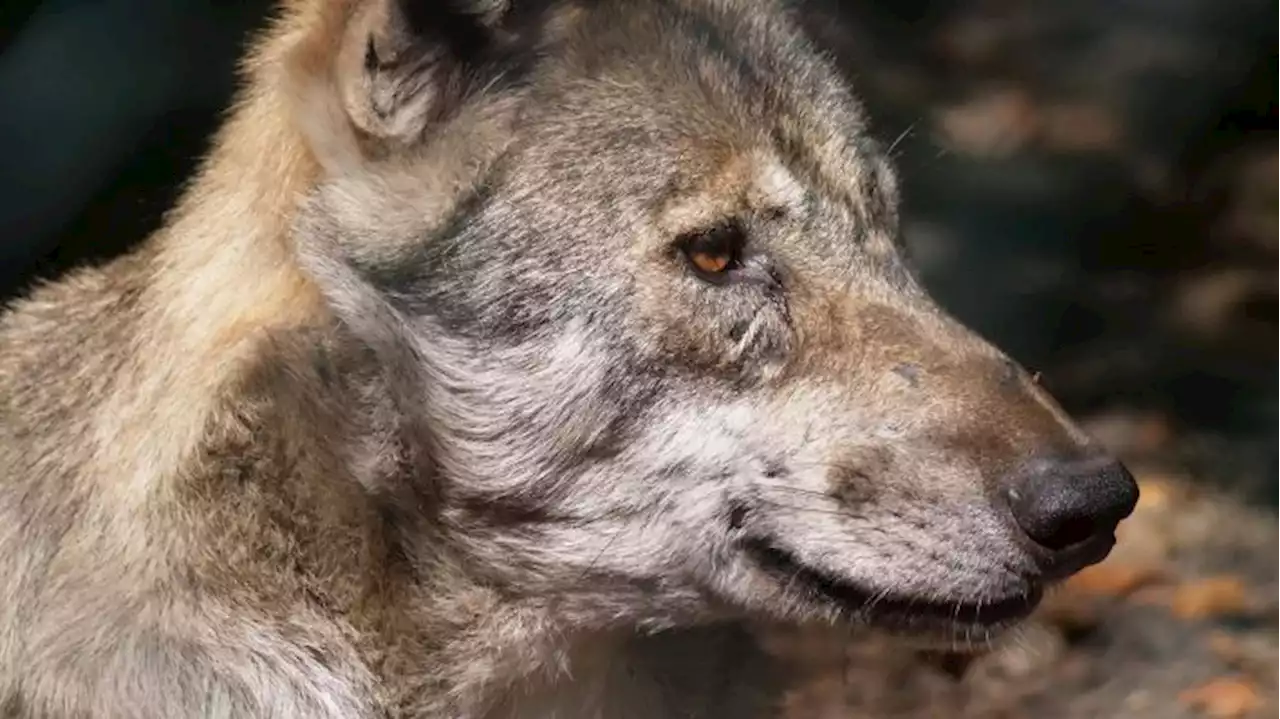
(1213, 597)
(1253, 655)
(1079, 127)
(1157, 490)
(993, 124)
(1206, 302)
(1133, 435)
(1226, 698)
(1226, 647)
(1113, 580)
(1152, 596)
(1144, 542)
(1078, 607)
(1155, 432)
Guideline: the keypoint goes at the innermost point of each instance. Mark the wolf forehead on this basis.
(733, 105)
(696, 109)
(611, 115)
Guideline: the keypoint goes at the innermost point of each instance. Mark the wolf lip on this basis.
(878, 607)
(1079, 557)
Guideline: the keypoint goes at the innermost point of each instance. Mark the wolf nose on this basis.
(1062, 504)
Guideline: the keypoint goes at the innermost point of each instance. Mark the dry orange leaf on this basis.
(1152, 596)
(1226, 698)
(1154, 432)
(1213, 597)
(1112, 580)
(1157, 490)
(1227, 648)
(1078, 605)
(1080, 127)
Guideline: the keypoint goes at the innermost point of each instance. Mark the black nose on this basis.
(1060, 504)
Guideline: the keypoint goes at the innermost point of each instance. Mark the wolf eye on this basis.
(713, 253)
(711, 262)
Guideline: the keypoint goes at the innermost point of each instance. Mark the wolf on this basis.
(513, 358)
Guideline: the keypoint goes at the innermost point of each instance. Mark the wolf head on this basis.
(635, 267)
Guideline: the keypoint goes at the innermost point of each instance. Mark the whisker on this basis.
(875, 599)
(955, 620)
(796, 490)
(600, 555)
(901, 136)
(793, 464)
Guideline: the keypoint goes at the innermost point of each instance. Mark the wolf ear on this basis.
(404, 62)
(391, 68)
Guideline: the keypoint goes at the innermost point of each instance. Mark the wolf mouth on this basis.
(888, 609)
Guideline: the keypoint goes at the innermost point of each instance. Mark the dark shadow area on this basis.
(107, 108)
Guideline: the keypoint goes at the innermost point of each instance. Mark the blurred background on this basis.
(1090, 184)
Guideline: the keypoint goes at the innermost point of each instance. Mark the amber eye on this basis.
(712, 262)
(713, 253)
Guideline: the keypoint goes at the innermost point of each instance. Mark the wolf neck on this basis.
(214, 280)
(233, 226)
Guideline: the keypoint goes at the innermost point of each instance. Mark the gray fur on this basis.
(516, 460)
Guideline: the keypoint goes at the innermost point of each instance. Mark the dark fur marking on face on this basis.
(852, 485)
(406, 277)
(450, 276)
(506, 510)
(461, 27)
(909, 372)
(322, 364)
(628, 402)
(614, 439)
(607, 445)
(13, 705)
(774, 468)
(676, 470)
(797, 156)
(713, 42)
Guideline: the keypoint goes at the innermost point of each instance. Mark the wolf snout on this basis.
(1066, 505)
